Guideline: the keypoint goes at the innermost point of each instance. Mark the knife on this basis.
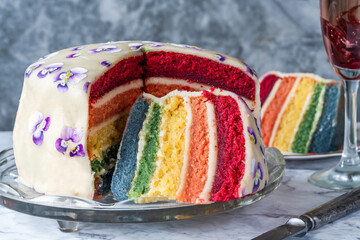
(316, 218)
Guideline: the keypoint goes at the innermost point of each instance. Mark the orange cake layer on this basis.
(117, 104)
(274, 108)
(198, 153)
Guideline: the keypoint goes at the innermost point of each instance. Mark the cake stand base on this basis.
(68, 226)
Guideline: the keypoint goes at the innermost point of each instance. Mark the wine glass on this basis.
(340, 25)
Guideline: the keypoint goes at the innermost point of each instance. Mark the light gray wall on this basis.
(268, 35)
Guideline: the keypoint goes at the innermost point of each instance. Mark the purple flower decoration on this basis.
(86, 87)
(135, 46)
(76, 48)
(252, 135)
(262, 151)
(70, 77)
(153, 44)
(220, 57)
(250, 70)
(187, 46)
(107, 49)
(69, 135)
(106, 63)
(50, 69)
(49, 55)
(37, 125)
(32, 67)
(74, 55)
(148, 44)
(257, 174)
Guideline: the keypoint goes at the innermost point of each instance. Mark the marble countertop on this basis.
(294, 197)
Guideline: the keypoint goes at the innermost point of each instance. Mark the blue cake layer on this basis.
(325, 137)
(126, 164)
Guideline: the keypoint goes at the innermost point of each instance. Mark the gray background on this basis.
(267, 35)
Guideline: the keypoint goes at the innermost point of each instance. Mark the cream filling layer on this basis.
(304, 110)
(270, 97)
(138, 83)
(287, 102)
(185, 165)
(105, 123)
(173, 81)
(319, 109)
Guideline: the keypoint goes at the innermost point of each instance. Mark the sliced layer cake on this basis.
(75, 103)
(301, 112)
(196, 147)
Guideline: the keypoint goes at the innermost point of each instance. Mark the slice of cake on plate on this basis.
(301, 112)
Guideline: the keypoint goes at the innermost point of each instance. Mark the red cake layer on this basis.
(266, 85)
(199, 69)
(231, 151)
(124, 71)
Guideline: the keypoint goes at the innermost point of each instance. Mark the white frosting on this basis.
(43, 166)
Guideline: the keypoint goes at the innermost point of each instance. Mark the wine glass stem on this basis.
(350, 156)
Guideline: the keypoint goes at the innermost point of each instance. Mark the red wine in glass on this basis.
(340, 25)
(341, 34)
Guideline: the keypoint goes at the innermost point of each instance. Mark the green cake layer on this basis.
(146, 163)
(311, 118)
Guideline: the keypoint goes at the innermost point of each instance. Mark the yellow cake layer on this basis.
(292, 115)
(108, 135)
(166, 178)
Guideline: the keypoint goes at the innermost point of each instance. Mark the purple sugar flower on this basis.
(76, 48)
(86, 87)
(73, 55)
(77, 151)
(186, 46)
(67, 136)
(220, 57)
(32, 67)
(70, 77)
(49, 55)
(135, 46)
(106, 63)
(50, 69)
(252, 135)
(37, 125)
(262, 151)
(107, 49)
(257, 174)
(250, 70)
(153, 44)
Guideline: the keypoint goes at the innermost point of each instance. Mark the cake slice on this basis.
(296, 114)
(196, 147)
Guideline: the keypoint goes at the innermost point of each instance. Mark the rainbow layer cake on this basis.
(196, 147)
(75, 104)
(301, 112)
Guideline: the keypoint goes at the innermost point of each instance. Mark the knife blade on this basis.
(316, 218)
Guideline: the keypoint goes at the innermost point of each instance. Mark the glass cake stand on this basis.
(69, 210)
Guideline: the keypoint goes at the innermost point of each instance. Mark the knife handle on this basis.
(333, 210)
